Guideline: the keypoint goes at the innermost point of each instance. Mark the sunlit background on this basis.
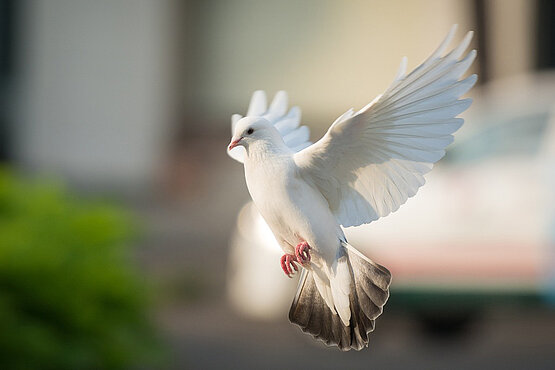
(127, 239)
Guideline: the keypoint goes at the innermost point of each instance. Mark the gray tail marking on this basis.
(368, 295)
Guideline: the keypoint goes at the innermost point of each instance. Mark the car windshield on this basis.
(513, 136)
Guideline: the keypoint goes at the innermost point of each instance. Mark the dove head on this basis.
(252, 130)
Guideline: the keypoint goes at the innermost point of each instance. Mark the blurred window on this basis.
(7, 26)
(519, 136)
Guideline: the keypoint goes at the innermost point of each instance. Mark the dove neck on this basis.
(265, 149)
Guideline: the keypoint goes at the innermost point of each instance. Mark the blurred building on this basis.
(96, 91)
(88, 89)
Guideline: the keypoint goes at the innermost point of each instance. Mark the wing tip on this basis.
(473, 78)
(258, 103)
(446, 41)
(402, 69)
(466, 102)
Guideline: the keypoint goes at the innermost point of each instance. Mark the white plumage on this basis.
(366, 166)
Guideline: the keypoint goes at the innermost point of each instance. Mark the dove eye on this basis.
(250, 131)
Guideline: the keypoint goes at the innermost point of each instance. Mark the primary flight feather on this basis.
(366, 166)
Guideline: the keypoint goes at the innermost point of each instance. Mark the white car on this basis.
(484, 223)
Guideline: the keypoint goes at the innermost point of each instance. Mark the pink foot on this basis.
(302, 253)
(288, 264)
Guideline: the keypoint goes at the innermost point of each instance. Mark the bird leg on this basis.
(302, 252)
(288, 264)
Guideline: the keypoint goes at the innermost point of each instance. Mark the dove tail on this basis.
(367, 296)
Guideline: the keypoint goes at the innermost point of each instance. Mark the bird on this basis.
(366, 165)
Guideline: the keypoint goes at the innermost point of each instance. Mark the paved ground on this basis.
(212, 337)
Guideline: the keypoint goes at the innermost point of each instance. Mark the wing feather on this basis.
(370, 162)
(257, 106)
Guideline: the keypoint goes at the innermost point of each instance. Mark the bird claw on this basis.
(288, 264)
(302, 253)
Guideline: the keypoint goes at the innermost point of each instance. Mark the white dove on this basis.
(365, 166)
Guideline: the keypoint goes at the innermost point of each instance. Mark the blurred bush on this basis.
(69, 295)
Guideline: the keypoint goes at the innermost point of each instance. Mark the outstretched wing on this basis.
(372, 161)
(288, 124)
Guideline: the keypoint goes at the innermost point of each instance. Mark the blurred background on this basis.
(127, 239)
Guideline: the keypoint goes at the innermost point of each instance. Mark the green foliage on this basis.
(69, 295)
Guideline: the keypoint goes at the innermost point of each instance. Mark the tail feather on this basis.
(341, 283)
(311, 313)
(368, 295)
(320, 279)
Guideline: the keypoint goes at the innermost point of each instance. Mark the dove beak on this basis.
(234, 143)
